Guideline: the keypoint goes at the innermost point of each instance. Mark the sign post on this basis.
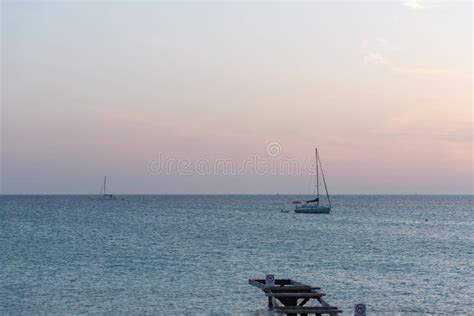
(269, 282)
(359, 310)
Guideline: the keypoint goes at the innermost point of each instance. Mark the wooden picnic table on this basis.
(288, 297)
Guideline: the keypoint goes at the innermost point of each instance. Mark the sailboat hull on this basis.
(313, 209)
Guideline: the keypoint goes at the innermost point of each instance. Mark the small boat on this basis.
(284, 211)
(313, 206)
(103, 191)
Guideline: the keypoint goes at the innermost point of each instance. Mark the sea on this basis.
(194, 254)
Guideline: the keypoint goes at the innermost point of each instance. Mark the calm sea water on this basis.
(176, 255)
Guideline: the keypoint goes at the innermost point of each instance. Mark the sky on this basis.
(221, 98)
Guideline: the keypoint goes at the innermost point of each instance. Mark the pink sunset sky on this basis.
(384, 90)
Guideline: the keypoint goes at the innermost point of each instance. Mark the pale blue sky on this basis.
(95, 88)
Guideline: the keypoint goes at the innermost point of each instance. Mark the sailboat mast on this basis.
(105, 182)
(317, 175)
(325, 186)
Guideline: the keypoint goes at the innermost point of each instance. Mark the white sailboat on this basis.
(104, 190)
(313, 206)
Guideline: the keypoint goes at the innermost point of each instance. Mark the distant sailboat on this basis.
(104, 190)
(313, 206)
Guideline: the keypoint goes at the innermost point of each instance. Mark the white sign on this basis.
(359, 310)
(269, 280)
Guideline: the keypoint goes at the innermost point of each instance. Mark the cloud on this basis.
(420, 4)
(423, 71)
(415, 123)
(375, 51)
(382, 42)
(375, 58)
(412, 4)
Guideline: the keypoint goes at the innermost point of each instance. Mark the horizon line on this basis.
(251, 194)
